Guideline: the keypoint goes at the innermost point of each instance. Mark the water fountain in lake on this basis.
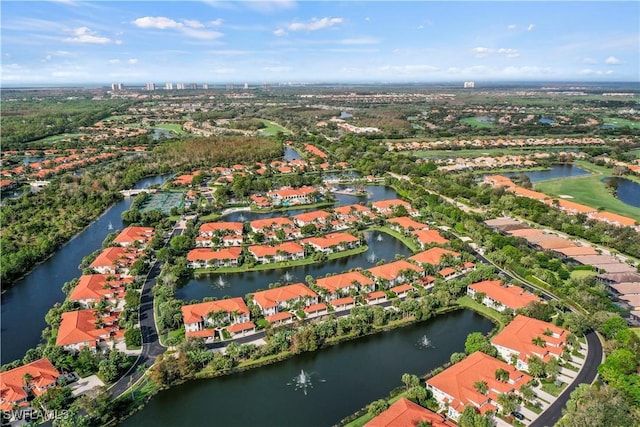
(288, 277)
(221, 283)
(379, 238)
(425, 342)
(372, 257)
(242, 218)
(110, 226)
(302, 381)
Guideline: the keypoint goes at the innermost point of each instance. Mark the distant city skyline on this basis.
(66, 42)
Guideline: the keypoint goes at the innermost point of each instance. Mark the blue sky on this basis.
(70, 41)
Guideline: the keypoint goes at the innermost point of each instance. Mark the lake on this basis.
(627, 191)
(345, 378)
(563, 170)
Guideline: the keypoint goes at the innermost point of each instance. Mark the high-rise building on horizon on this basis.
(205, 85)
(117, 86)
(151, 86)
(180, 86)
(469, 85)
(168, 86)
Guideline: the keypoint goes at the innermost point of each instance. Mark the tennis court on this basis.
(164, 201)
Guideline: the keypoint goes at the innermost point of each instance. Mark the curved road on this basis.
(587, 374)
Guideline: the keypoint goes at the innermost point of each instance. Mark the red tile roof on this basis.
(342, 301)
(331, 239)
(402, 288)
(315, 216)
(315, 307)
(133, 234)
(390, 204)
(210, 227)
(432, 256)
(240, 327)
(271, 297)
(111, 257)
(77, 327)
(427, 237)
(97, 286)
(405, 413)
(344, 280)
(206, 254)
(510, 296)
(393, 269)
(278, 317)
(260, 224)
(266, 250)
(405, 222)
(194, 313)
(521, 331)
(43, 375)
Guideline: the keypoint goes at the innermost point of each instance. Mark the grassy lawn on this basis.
(56, 138)
(636, 331)
(211, 217)
(295, 207)
(468, 302)
(533, 408)
(620, 122)
(552, 388)
(579, 274)
(475, 152)
(272, 129)
(474, 122)
(408, 242)
(172, 127)
(284, 264)
(588, 190)
(359, 422)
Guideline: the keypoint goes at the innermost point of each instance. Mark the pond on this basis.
(626, 191)
(564, 170)
(291, 154)
(344, 378)
(381, 247)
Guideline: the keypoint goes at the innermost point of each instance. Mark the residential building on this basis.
(285, 298)
(205, 257)
(316, 217)
(83, 328)
(454, 388)
(388, 207)
(231, 311)
(14, 390)
(404, 223)
(393, 273)
(433, 256)
(340, 285)
(524, 338)
(333, 242)
(115, 260)
(131, 235)
(92, 288)
(287, 251)
(501, 296)
(429, 237)
(405, 413)
(348, 211)
(292, 196)
(270, 224)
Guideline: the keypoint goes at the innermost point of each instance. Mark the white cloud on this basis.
(191, 23)
(188, 27)
(531, 27)
(589, 61)
(612, 60)
(510, 53)
(159, 22)
(216, 22)
(132, 61)
(280, 32)
(482, 52)
(511, 26)
(280, 69)
(114, 61)
(315, 24)
(85, 35)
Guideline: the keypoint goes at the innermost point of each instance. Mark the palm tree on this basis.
(502, 375)
(481, 387)
(539, 342)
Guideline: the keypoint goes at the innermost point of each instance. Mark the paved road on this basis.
(586, 376)
(151, 347)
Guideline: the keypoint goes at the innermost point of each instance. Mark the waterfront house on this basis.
(434, 256)
(281, 318)
(285, 298)
(318, 218)
(205, 257)
(402, 291)
(217, 313)
(388, 207)
(345, 303)
(393, 273)
(352, 211)
(210, 229)
(15, 390)
(405, 413)
(340, 285)
(405, 224)
(92, 288)
(287, 251)
(501, 296)
(84, 328)
(241, 329)
(524, 338)
(270, 225)
(455, 387)
(375, 297)
(115, 260)
(333, 242)
(429, 237)
(288, 196)
(316, 310)
(131, 235)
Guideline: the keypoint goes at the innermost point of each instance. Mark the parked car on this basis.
(518, 415)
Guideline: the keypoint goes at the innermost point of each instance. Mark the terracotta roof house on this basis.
(315, 217)
(280, 318)
(341, 284)
(79, 329)
(332, 242)
(274, 300)
(387, 207)
(205, 257)
(402, 223)
(454, 388)
(315, 151)
(433, 256)
(292, 196)
(393, 272)
(428, 237)
(343, 303)
(525, 337)
(405, 413)
(15, 392)
(232, 311)
(352, 210)
(262, 225)
(500, 296)
(286, 251)
(241, 328)
(115, 260)
(130, 235)
(91, 288)
(221, 228)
